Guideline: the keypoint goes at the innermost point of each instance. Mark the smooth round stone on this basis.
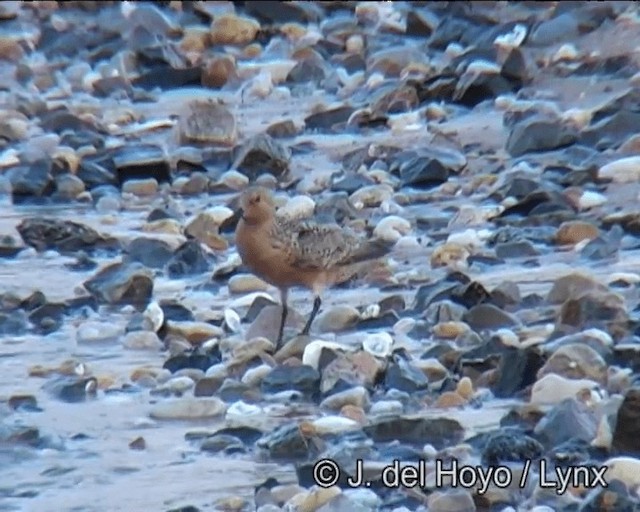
(313, 499)
(142, 340)
(553, 389)
(386, 408)
(575, 231)
(188, 409)
(178, 384)
(624, 170)
(392, 228)
(450, 330)
(298, 207)
(625, 469)
(234, 180)
(245, 283)
(70, 186)
(144, 187)
(357, 396)
(379, 344)
(450, 255)
(163, 226)
(450, 399)
(241, 409)
(254, 376)
(194, 332)
(371, 196)
(98, 332)
(338, 318)
(232, 29)
(108, 204)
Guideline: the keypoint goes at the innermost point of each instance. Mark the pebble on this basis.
(142, 340)
(188, 409)
(625, 170)
(245, 283)
(553, 389)
(144, 187)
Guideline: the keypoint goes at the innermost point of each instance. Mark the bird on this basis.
(289, 253)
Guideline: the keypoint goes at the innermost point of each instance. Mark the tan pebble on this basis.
(196, 39)
(194, 332)
(450, 399)
(166, 226)
(465, 388)
(252, 51)
(355, 44)
(450, 330)
(449, 255)
(232, 29)
(293, 31)
(574, 231)
(143, 373)
(146, 187)
(231, 504)
(243, 283)
(218, 71)
(310, 501)
(355, 413)
(307, 429)
(105, 381)
(40, 371)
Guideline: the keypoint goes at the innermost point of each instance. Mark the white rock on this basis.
(468, 238)
(567, 51)
(154, 314)
(298, 207)
(512, 39)
(241, 409)
(371, 311)
(625, 469)
(590, 199)
(234, 180)
(218, 371)
(386, 408)
(335, 425)
(407, 242)
(188, 409)
(178, 384)
(142, 340)
(371, 195)
(404, 325)
(311, 354)
(98, 332)
(378, 344)
(232, 320)
(625, 170)
(254, 376)
(392, 228)
(553, 389)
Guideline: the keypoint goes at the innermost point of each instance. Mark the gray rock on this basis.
(122, 283)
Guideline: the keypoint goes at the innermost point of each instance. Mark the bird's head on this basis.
(256, 205)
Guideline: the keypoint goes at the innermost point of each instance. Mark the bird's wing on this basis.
(310, 245)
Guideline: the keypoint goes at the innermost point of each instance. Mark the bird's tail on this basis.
(370, 250)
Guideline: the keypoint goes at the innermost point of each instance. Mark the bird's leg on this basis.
(316, 306)
(283, 318)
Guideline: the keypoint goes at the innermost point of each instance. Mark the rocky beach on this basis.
(490, 362)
